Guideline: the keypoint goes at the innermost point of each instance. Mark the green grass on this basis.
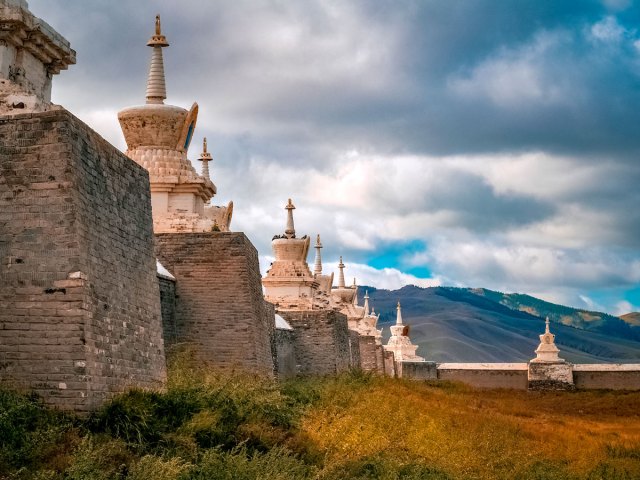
(209, 425)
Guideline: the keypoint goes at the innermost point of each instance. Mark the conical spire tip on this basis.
(158, 40)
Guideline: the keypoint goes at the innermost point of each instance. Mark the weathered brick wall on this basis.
(622, 377)
(354, 349)
(420, 370)
(368, 354)
(168, 309)
(486, 378)
(285, 361)
(79, 304)
(219, 302)
(389, 363)
(321, 340)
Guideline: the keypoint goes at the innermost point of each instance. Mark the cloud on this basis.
(518, 77)
(385, 278)
(482, 133)
(623, 307)
(608, 30)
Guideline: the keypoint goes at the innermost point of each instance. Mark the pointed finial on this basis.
(205, 158)
(317, 269)
(546, 325)
(341, 283)
(399, 315)
(355, 294)
(156, 87)
(290, 231)
(366, 303)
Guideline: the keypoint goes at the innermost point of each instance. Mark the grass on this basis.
(209, 425)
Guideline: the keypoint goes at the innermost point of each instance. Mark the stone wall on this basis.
(550, 376)
(612, 376)
(489, 375)
(368, 354)
(420, 370)
(79, 303)
(168, 309)
(389, 362)
(321, 340)
(219, 303)
(354, 349)
(285, 361)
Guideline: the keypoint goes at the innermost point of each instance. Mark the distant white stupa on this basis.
(547, 352)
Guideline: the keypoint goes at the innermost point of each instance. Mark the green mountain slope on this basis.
(573, 317)
(632, 318)
(462, 325)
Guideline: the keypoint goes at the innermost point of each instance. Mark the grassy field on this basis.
(212, 426)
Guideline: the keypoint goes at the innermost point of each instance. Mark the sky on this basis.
(485, 143)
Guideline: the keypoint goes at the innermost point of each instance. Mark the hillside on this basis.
(460, 325)
(574, 317)
(632, 318)
(208, 426)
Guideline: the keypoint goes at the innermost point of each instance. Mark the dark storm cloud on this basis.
(375, 74)
(297, 96)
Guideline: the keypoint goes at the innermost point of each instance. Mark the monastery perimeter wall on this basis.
(321, 341)
(285, 354)
(168, 309)
(369, 354)
(516, 375)
(610, 376)
(79, 305)
(219, 305)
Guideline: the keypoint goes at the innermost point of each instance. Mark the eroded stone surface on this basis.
(31, 52)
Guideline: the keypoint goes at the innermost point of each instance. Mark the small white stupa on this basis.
(400, 343)
(547, 352)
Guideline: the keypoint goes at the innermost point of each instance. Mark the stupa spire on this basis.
(317, 269)
(399, 315)
(366, 303)
(341, 283)
(547, 351)
(355, 294)
(205, 158)
(290, 232)
(156, 87)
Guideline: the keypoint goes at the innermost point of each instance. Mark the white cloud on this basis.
(623, 307)
(515, 77)
(608, 30)
(522, 267)
(386, 278)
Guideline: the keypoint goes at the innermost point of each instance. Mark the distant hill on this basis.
(632, 318)
(574, 317)
(479, 325)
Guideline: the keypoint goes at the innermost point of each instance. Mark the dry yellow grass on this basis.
(478, 434)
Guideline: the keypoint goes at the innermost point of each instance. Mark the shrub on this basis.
(98, 458)
(150, 467)
(241, 464)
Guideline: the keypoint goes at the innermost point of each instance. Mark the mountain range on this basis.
(480, 325)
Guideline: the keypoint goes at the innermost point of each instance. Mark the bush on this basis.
(30, 433)
(241, 464)
(150, 467)
(98, 458)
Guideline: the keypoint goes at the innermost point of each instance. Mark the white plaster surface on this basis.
(483, 366)
(606, 367)
(282, 324)
(163, 272)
